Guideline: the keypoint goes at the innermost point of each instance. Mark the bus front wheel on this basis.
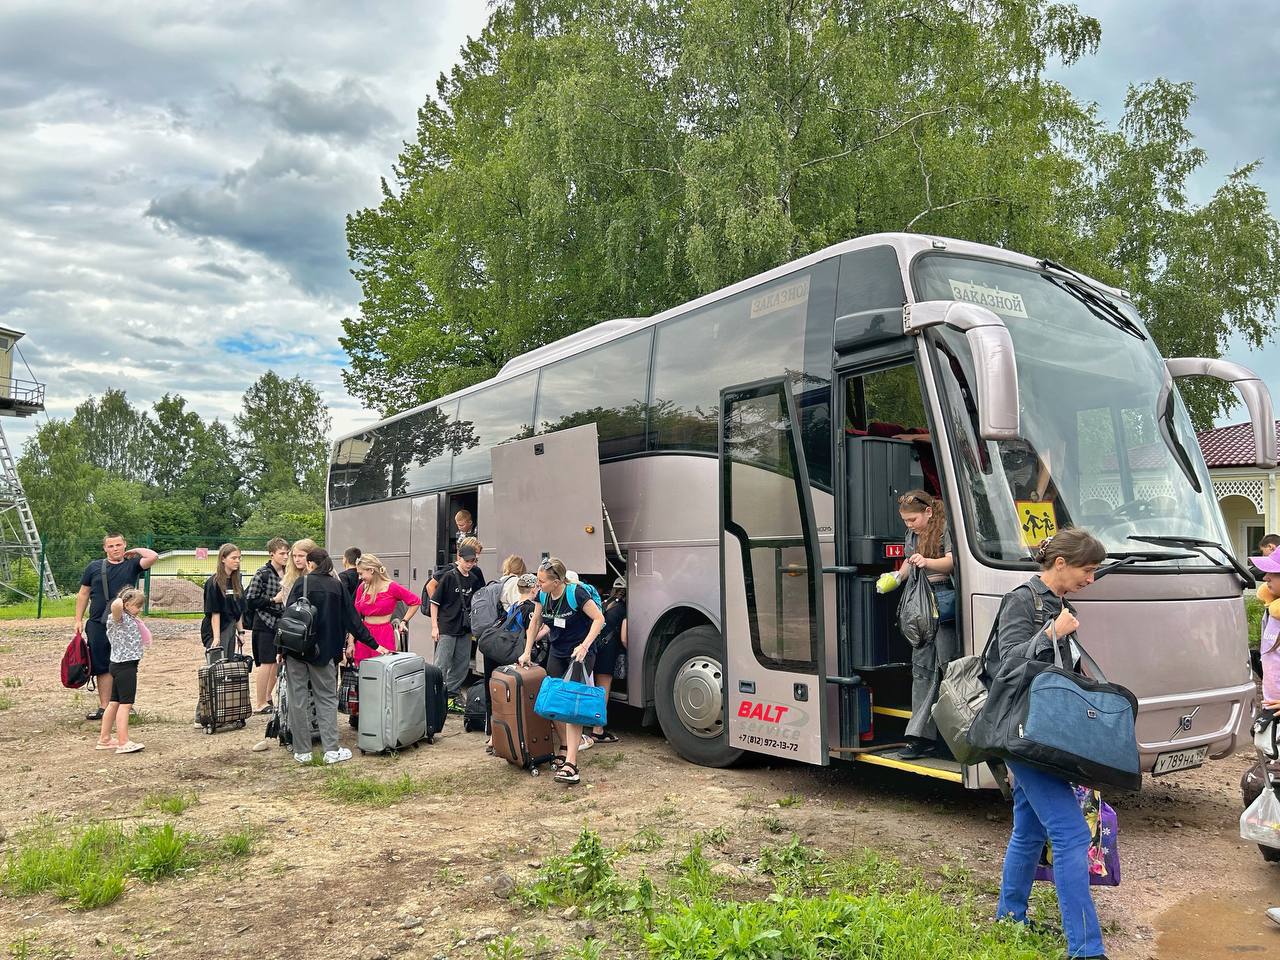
(689, 695)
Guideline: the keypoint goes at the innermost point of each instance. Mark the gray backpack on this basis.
(486, 606)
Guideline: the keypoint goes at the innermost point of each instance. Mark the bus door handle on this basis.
(847, 571)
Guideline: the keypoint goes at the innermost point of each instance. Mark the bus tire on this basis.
(689, 696)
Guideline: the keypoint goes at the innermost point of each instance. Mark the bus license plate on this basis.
(1179, 760)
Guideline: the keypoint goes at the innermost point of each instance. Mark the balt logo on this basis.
(768, 712)
(895, 550)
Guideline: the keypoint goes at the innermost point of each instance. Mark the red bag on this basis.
(77, 668)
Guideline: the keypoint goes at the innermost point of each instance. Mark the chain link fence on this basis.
(174, 585)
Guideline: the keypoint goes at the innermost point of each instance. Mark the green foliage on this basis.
(371, 791)
(1253, 613)
(647, 838)
(588, 160)
(585, 876)
(282, 426)
(6, 701)
(239, 843)
(505, 949)
(790, 800)
(693, 876)
(287, 513)
(173, 804)
(791, 865)
(90, 866)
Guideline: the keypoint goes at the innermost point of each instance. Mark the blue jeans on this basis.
(1044, 807)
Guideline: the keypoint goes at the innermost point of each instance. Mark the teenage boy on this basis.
(259, 597)
(451, 619)
(1267, 545)
(465, 525)
(349, 577)
(123, 568)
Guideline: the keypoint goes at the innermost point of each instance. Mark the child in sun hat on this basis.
(1269, 597)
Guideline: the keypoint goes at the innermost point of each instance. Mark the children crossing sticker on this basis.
(1037, 519)
(993, 298)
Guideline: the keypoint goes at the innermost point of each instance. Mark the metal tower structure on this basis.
(19, 538)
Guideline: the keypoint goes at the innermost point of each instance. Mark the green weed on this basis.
(238, 843)
(144, 718)
(6, 701)
(20, 949)
(504, 949)
(772, 824)
(717, 836)
(6, 648)
(609, 762)
(371, 791)
(666, 812)
(587, 950)
(793, 866)
(647, 838)
(693, 876)
(173, 804)
(790, 800)
(89, 867)
(11, 682)
(585, 876)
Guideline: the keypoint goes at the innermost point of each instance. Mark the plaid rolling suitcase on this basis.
(224, 695)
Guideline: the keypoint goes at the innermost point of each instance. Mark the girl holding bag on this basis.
(575, 622)
(1045, 806)
(929, 554)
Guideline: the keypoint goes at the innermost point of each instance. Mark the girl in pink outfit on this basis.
(376, 600)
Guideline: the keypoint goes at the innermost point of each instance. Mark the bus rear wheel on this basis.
(689, 696)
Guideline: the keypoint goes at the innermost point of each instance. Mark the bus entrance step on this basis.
(924, 766)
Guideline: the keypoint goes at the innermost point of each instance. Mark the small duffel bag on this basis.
(570, 700)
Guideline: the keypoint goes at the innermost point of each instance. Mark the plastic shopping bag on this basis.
(1260, 823)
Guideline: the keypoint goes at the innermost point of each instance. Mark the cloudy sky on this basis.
(175, 176)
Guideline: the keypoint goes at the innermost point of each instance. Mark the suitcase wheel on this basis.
(535, 772)
(431, 739)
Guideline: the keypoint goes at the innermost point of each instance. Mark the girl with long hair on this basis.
(223, 602)
(376, 599)
(929, 554)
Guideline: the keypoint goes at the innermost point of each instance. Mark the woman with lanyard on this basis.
(575, 622)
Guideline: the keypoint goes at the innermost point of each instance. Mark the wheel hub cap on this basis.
(698, 697)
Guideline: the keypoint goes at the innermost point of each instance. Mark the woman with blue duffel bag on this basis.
(1036, 621)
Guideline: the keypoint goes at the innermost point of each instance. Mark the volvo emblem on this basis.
(1184, 722)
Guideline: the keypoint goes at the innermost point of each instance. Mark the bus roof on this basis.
(907, 245)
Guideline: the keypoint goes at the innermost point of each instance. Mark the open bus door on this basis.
(770, 578)
(546, 498)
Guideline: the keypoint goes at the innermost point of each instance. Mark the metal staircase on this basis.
(19, 538)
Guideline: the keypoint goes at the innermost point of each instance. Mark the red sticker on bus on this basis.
(895, 550)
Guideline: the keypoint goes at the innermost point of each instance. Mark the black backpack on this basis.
(296, 625)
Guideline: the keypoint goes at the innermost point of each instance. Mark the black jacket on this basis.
(335, 617)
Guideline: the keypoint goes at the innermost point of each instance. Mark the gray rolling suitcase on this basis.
(393, 702)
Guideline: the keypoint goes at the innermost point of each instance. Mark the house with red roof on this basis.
(1248, 495)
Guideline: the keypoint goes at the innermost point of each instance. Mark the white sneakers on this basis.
(1273, 914)
(330, 756)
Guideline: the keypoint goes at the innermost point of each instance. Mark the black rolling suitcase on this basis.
(437, 702)
(473, 714)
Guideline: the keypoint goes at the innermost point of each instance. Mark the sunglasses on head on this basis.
(911, 497)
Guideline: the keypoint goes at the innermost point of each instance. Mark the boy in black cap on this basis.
(451, 620)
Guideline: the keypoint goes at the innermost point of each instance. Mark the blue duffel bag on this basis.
(1050, 717)
(571, 700)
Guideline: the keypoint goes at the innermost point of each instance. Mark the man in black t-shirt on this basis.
(451, 619)
(123, 569)
(349, 576)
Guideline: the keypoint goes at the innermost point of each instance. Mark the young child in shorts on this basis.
(129, 638)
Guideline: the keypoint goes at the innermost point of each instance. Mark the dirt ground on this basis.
(424, 877)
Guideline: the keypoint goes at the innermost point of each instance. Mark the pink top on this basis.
(1270, 657)
(380, 606)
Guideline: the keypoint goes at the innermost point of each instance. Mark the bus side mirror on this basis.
(1254, 393)
(993, 358)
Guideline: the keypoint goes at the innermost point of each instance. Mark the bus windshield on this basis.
(1104, 444)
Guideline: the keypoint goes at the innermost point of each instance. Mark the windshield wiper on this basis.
(1128, 557)
(1203, 547)
(1097, 303)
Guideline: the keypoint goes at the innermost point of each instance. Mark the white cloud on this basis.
(177, 178)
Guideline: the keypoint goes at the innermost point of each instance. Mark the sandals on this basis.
(567, 773)
(607, 737)
(130, 747)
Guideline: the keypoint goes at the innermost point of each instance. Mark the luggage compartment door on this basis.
(770, 578)
(546, 498)
(423, 525)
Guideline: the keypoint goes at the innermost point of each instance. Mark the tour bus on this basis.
(739, 460)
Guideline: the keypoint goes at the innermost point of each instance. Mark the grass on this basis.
(6, 701)
(173, 804)
(1253, 613)
(66, 607)
(609, 762)
(11, 683)
(790, 800)
(90, 866)
(347, 787)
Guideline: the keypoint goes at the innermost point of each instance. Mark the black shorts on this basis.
(95, 634)
(607, 653)
(124, 681)
(558, 666)
(264, 646)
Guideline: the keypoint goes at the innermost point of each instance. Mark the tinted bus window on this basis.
(487, 418)
(428, 439)
(605, 386)
(782, 327)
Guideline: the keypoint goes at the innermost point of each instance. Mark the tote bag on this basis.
(570, 700)
(1050, 717)
(1104, 837)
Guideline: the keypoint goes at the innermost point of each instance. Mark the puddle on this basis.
(1218, 926)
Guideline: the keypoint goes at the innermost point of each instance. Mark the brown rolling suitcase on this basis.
(520, 736)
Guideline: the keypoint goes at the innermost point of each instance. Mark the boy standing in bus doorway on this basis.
(465, 527)
(451, 620)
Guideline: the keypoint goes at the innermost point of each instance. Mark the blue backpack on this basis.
(592, 593)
